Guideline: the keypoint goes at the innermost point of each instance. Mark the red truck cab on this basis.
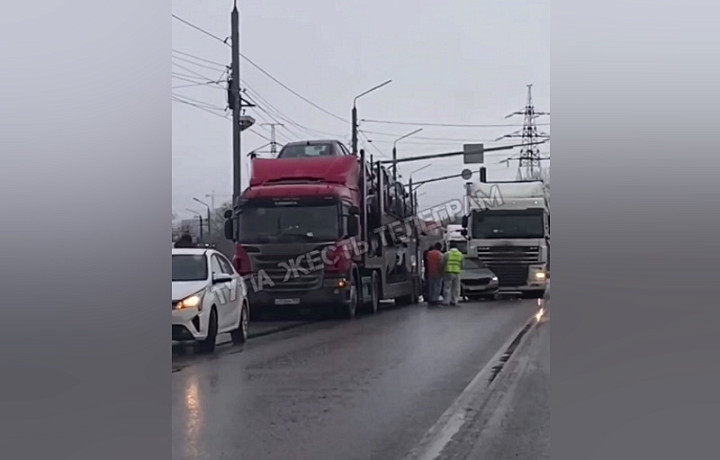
(301, 229)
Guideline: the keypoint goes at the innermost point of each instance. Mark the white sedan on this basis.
(208, 298)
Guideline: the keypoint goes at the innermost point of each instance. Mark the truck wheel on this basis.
(348, 310)
(404, 300)
(374, 304)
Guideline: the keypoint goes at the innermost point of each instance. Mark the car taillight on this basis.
(241, 260)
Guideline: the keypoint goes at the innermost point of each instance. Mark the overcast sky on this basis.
(453, 62)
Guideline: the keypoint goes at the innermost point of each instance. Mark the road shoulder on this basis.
(512, 419)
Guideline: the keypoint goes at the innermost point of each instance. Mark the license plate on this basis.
(287, 301)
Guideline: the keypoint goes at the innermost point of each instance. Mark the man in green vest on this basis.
(452, 267)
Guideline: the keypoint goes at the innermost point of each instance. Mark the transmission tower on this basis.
(529, 160)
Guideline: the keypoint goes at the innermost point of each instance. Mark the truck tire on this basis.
(348, 310)
(417, 290)
(374, 304)
(404, 300)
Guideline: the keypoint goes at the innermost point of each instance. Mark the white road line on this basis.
(450, 422)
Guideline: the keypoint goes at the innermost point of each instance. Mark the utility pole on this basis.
(236, 102)
(273, 143)
(529, 161)
(212, 199)
(200, 219)
(354, 130)
(354, 115)
(209, 217)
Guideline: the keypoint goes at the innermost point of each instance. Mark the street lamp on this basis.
(411, 191)
(208, 216)
(394, 152)
(419, 169)
(201, 222)
(354, 114)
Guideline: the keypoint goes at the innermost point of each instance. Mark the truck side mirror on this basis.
(229, 228)
(353, 225)
(465, 222)
(463, 232)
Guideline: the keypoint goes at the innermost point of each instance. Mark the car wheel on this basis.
(208, 345)
(240, 335)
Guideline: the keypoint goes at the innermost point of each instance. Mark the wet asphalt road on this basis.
(512, 420)
(363, 389)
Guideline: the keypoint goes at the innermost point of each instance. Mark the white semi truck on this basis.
(508, 228)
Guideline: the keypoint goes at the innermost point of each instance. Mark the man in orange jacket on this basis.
(433, 268)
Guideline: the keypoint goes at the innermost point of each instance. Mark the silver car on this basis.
(477, 281)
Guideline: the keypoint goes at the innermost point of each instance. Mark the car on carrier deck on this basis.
(208, 298)
(313, 149)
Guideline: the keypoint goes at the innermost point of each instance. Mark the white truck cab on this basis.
(511, 234)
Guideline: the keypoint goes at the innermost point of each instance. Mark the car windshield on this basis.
(508, 225)
(189, 267)
(307, 151)
(473, 264)
(259, 224)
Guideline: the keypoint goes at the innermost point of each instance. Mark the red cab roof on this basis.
(341, 170)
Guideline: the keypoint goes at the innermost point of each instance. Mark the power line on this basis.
(195, 84)
(199, 75)
(277, 113)
(200, 29)
(209, 106)
(429, 138)
(273, 118)
(191, 71)
(210, 84)
(265, 72)
(202, 59)
(190, 61)
(251, 130)
(447, 125)
(175, 99)
(362, 133)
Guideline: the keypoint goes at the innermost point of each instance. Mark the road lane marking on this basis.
(453, 419)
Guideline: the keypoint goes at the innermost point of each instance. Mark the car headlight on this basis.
(191, 301)
(494, 278)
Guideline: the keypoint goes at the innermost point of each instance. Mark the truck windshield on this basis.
(498, 224)
(461, 246)
(271, 224)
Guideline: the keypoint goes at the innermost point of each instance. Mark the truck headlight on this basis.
(191, 301)
(540, 276)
